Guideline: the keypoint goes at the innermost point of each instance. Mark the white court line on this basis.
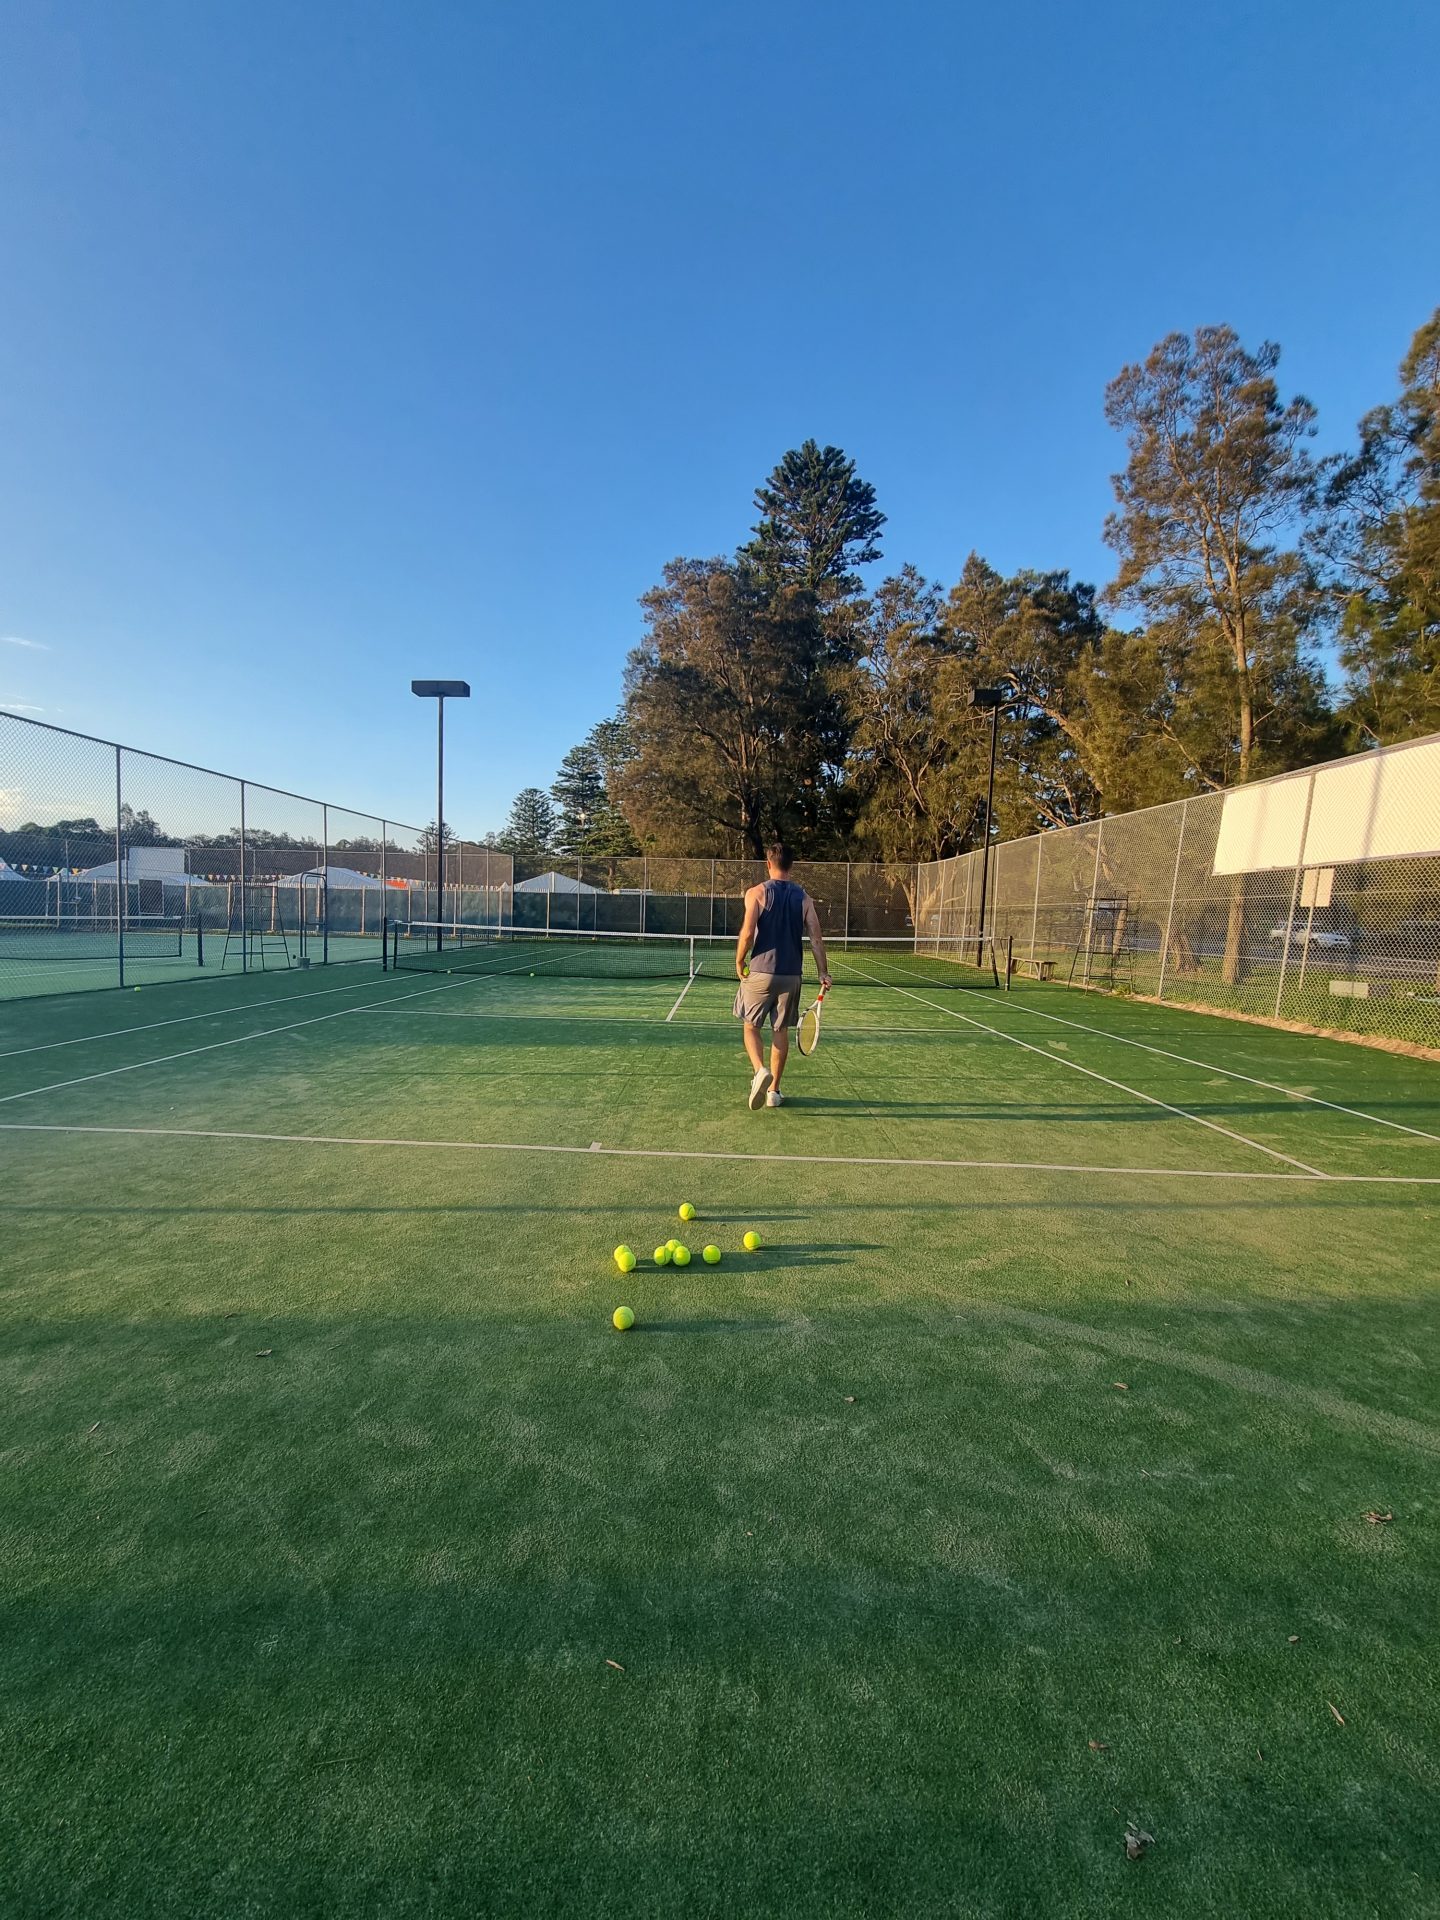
(832, 1026)
(715, 1153)
(1271, 1086)
(237, 1040)
(265, 1033)
(683, 991)
(1119, 1085)
(182, 1019)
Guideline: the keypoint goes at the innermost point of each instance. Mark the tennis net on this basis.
(73, 936)
(432, 947)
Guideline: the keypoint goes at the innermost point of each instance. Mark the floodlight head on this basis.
(986, 699)
(441, 689)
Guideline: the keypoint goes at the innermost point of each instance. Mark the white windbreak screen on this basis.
(1377, 806)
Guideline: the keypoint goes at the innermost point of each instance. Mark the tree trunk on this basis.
(1233, 970)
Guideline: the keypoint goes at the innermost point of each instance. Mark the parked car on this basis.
(1318, 936)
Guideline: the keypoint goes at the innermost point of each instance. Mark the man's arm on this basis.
(817, 940)
(747, 931)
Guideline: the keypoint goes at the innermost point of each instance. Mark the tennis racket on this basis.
(809, 1036)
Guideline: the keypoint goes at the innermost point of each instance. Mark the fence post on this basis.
(994, 899)
(119, 877)
(1035, 908)
(325, 886)
(846, 930)
(244, 917)
(1090, 910)
(1170, 910)
(1294, 898)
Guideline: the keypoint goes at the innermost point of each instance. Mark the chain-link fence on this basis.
(1312, 898)
(674, 894)
(122, 868)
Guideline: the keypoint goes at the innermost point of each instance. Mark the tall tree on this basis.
(917, 796)
(1031, 633)
(529, 832)
(1381, 539)
(713, 697)
(1218, 481)
(1217, 490)
(818, 523)
(578, 791)
(590, 825)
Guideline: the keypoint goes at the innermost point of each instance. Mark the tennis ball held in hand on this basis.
(711, 1256)
(622, 1319)
(624, 1259)
(681, 1256)
(752, 1242)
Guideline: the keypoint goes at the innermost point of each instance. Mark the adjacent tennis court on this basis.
(1064, 1462)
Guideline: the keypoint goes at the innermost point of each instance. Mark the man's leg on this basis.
(779, 1054)
(754, 1046)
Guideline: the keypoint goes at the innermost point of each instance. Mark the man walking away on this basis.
(778, 916)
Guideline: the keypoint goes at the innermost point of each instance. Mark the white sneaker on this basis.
(759, 1087)
(774, 1098)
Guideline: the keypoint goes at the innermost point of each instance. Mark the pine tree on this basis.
(529, 833)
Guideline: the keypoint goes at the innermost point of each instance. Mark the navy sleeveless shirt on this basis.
(780, 930)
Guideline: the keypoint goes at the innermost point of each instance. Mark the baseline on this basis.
(1303, 1180)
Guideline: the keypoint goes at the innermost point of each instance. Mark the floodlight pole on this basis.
(986, 700)
(439, 691)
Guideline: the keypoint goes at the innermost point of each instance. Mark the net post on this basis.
(199, 939)
(384, 943)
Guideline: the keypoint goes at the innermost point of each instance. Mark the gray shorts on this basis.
(769, 996)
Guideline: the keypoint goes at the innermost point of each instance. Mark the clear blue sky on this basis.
(345, 342)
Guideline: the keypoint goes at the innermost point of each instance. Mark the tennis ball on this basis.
(662, 1256)
(624, 1259)
(711, 1256)
(670, 1245)
(687, 1212)
(752, 1241)
(681, 1256)
(622, 1319)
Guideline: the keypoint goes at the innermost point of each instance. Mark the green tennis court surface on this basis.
(1014, 1494)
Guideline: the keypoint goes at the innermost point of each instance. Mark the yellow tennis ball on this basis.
(622, 1319)
(687, 1212)
(662, 1256)
(752, 1241)
(711, 1256)
(624, 1259)
(681, 1256)
(670, 1245)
